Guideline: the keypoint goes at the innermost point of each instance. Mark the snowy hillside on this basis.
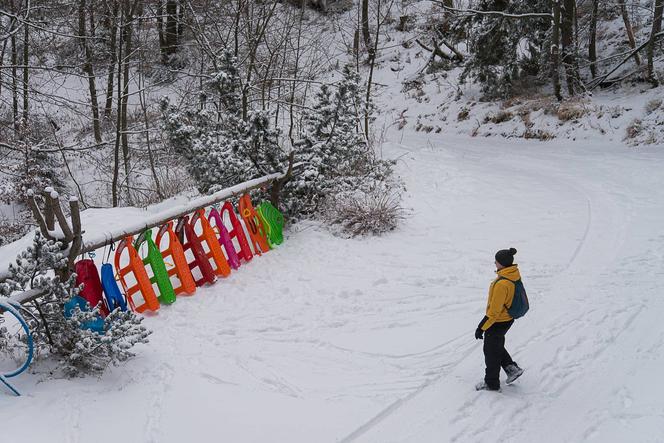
(326, 339)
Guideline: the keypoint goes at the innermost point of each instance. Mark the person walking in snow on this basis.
(498, 321)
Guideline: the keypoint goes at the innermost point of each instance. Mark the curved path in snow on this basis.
(591, 344)
(371, 340)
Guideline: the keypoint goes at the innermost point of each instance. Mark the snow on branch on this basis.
(177, 212)
(603, 78)
(495, 13)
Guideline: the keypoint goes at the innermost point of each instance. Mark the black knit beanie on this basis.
(506, 256)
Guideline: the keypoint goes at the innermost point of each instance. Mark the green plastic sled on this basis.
(273, 223)
(156, 263)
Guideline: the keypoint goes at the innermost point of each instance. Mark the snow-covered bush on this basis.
(366, 214)
(333, 157)
(77, 350)
(25, 165)
(225, 144)
(222, 146)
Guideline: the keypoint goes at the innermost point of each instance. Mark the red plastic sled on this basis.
(208, 238)
(254, 225)
(174, 252)
(88, 276)
(244, 251)
(198, 260)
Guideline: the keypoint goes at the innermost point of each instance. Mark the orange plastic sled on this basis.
(174, 253)
(237, 232)
(208, 237)
(141, 295)
(190, 242)
(254, 225)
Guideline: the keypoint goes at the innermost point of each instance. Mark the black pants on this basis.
(495, 354)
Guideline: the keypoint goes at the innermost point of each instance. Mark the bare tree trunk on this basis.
(15, 83)
(236, 33)
(91, 16)
(281, 73)
(180, 22)
(297, 66)
(365, 24)
(160, 30)
(373, 52)
(89, 71)
(144, 107)
(629, 30)
(555, 50)
(4, 49)
(170, 31)
(446, 17)
(26, 63)
(256, 36)
(113, 29)
(592, 44)
(127, 33)
(118, 124)
(567, 39)
(2, 59)
(656, 29)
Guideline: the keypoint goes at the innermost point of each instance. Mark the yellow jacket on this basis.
(501, 294)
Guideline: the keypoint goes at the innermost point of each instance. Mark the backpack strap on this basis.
(500, 277)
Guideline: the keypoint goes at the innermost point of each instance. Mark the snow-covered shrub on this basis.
(634, 129)
(498, 117)
(653, 105)
(83, 351)
(222, 146)
(365, 214)
(25, 164)
(333, 156)
(78, 351)
(12, 230)
(571, 110)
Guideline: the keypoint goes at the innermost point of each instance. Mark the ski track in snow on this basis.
(592, 261)
(326, 339)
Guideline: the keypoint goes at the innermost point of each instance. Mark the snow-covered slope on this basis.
(327, 339)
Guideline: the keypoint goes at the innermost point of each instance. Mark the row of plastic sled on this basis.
(194, 252)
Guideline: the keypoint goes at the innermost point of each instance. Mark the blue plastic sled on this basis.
(96, 325)
(114, 297)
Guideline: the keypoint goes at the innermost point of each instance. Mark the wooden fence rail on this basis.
(83, 245)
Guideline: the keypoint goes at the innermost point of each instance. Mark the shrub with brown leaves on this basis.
(367, 214)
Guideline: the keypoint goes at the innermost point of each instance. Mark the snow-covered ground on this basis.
(326, 339)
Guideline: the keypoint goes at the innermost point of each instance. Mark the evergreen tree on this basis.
(77, 349)
(333, 155)
(504, 50)
(33, 168)
(221, 148)
(28, 167)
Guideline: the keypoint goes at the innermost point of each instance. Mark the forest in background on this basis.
(81, 83)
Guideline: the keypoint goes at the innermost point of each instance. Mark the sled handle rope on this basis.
(13, 308)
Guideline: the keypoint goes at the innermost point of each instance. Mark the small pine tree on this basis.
(78, 350)
(32, 168)
(333, 154)
(220, 146)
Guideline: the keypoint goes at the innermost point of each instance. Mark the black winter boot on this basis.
(482, 386)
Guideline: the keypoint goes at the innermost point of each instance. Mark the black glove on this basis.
(479, 334)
